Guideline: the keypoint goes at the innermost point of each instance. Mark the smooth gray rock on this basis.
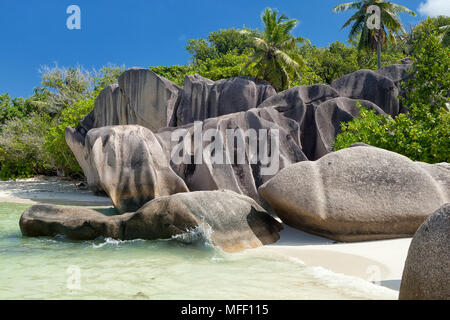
(443, 165)
(400, 74)
(231, 221)
(75, 139)
(75, 223)
(397, 73)
(225, 168)
(329, 117)
(133, 166)
(299, 104)
(355, 194)
(372, 86)
(111, 108)
(129, 164)
(152, 99)
(426, 272)
(142, 98)
(204, 98)
(440, 172)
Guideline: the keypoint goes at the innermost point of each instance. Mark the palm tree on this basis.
(374, 39)
(276, 56)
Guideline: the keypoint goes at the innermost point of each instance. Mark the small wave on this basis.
(107, 241)
(198, 235)
(296, 260)
(352, 286)
(114, 242)
(347, 285)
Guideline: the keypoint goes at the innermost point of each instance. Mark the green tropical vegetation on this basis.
(423, 134)
(32, 129)
(276, 57)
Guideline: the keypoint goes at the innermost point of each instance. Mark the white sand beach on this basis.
(48, 190)
(379, 262)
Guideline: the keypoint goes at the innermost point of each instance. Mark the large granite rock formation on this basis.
(142, 97)
(299, 104)
(356, 194)
(231, 221)
(152, 99)
(231, 166)
(440, 172)
(397, 73)
(133, 165)
(329, 117)
(204, 99)
(372, 86)
(306, 119)
(425, 276)
(400, 74)
(128, 163)
(111, 108)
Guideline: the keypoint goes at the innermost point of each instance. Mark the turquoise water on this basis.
(57, 268)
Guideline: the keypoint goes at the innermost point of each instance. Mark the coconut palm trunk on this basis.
(379, 54)
(379, 39)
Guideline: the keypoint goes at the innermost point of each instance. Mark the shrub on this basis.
(21, 147)
(60, 155)
(176, 74)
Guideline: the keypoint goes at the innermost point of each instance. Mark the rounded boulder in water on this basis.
(231, 221)
(234, 222)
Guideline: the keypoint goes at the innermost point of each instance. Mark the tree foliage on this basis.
(32, 130)
(55, 144)
(390, 22)
(220, 43)
(374, 39)
(277, 58)
(424, 133)
(175, 73)
(21, 147)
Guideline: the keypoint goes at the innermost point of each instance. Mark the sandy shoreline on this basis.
(379, 262)
(48, 190)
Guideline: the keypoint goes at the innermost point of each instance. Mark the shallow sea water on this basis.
(58, 268)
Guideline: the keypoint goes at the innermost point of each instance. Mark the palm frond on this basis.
(260, 43)
(399, 8)
(357, 27)
(288, 61)
(359, 15)
(392, 22)
(348, 6)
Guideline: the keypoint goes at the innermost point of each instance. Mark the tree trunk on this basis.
(379, 53)
(379, 44)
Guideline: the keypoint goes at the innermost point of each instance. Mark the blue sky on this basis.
(139, 32)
